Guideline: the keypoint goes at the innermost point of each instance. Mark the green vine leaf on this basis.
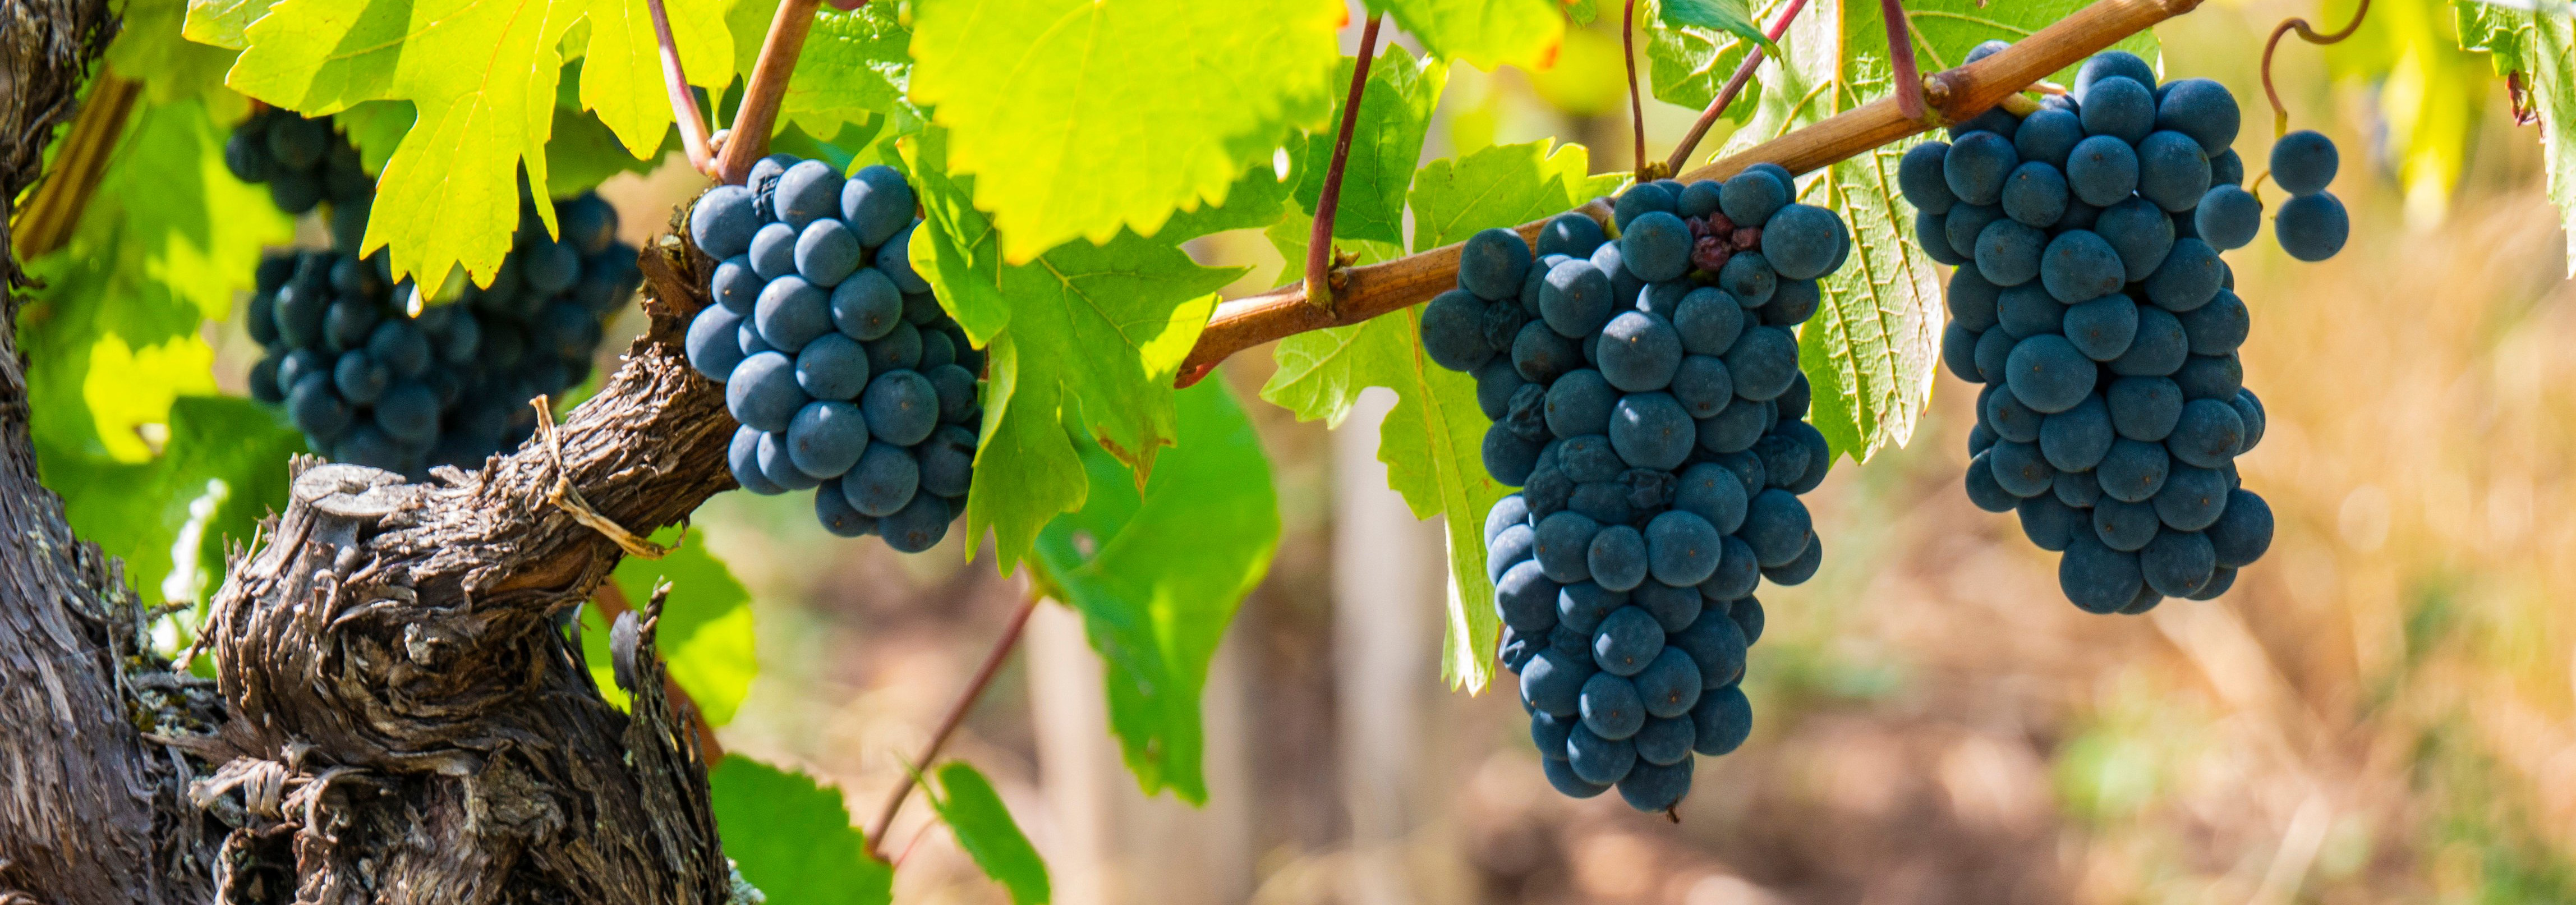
(984, 828)
(1485, 33)
(1080, 117)
(2541, 48)
(1433, 440)
(448, 196)
(792, 839)
(1728, 16)
(856, 65)
(1158, 571)
(705, 635)
(1085, 334)
(1870, 352)
(1386, 144)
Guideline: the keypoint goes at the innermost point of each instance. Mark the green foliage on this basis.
(1485, 33)
(1871, 350)
(1688, 64)
(705, 634)
(793, 839)
(223, 469)
(1085, 334)
(1073, 115)
(2541, 47)
(1157, 566)
(984, 828)
(1386, 142)
(1433, 441)
(1728, 16)
(483, 79)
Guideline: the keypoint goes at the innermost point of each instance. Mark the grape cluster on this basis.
(304, 163)
(370, 383)
(847, 377)
(1646, 397)
(2091, 301)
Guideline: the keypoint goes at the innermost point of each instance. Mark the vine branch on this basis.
(2308, 33)
(684, 103)
(1636, 103)
(748, 137)
(956, 715)
(1734, 86)
(1952, 95)
(1319, 244)
(1900, 51)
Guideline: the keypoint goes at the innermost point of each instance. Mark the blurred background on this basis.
(2378, 712)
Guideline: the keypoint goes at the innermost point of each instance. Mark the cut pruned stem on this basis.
(1900, 52)
(1952, 95)
(1734, 86)
(948, 724)
(1319, 245)
(758, 115)
(684, 103)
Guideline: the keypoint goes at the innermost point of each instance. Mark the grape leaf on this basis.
(1386, 144)
(1158, 574)
(705, 634)
(1090, 334)
(1582, 12)
(223, 469)
(1485, 33)
(1433, 440)
(1688, 65)
(2541, 48)
(482, 78)
(1869, 353)
(1728, 16)
(583, 151)
(375, 128)
(1079, 117)
(793, 839)
(984, 828)
(855, 64)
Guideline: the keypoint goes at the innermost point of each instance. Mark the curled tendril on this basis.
(2308, 33)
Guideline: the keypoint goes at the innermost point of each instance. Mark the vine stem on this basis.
(1734, 86)
(1951, 95)
(2308, 33)
(50, 213)
(1900, 51)
(748, 137)
(684, 103)
(1319, 244)
(1636, 102)
(948, 724)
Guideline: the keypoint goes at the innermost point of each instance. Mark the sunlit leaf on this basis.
(984, 828)
(1386, 144)
(2541, 48)
(793, 839)
(1484, 33)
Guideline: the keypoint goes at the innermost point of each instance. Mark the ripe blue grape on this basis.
(1994, 349)
(2211, 377)
(773, 251)
(898, 350)
(2008, 252)
(2103, 328)
(1579, 404)
(2144, 408)
(876, 203)
(1576, 302)
(1958, 352)
(826, 252)
(1526, 597)
(359, 378)
(1733, 429)
(1708, 321)
(2078, 438)
(2007, 417)
(2096, 578)
(895, 258)
(791, 313)
(826, 437)
(1724, 718)
(2119, 107)
(763, 393)
(2173, 171)
(1640, 200)
(1977, 165)
(1564, 543)
(1453, 331)
(1683, 548)
(1776, 526)
(2228, 217)
(1763, 362)
(2035, 194)
(1639, 353)
(2159, 348)
(2048, 136)
(2202, 109)
(1495, 262)
(2140, 231)
(1573, 235)
(1749, 278)
(1738, 572)
(901, 406)
(2051, 525)
(1792, 303)
(1656, 247)
(2188, 278)
(1752, 196)
(1627, 640)
(2243, 530)
(2134, 470)
(1803, 242)
(1920, 176)
(1509, 457)
(1651, 430)
(1964, 222)
(2020, 469)
(2312, 227)
(1610, 705)
(808, 191)
(2192, 498)
(2108, 64)
(408, 412)
(2102, 171)
(2304, 162)
(2028, 310)
(1670, 683)
(947, 461)
(2177, 563)
(918, 526)
(315, 408)
(1703, 386)
(2125, 526)
(866, 305)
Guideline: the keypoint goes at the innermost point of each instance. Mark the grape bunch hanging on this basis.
(371, 383)
(847, 377)
(2091, 301)
(1646, 398)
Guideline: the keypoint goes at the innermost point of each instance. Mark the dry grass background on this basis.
(2380, 711)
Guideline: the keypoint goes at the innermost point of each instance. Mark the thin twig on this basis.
(1953, 95)
(49, 215)
(1734, 86)
(2280, 113)
(948, 725)
(1636, 103)
(748, 137)
(1319, 244)
(684, 103)
(1900, 52)
(612, 602)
